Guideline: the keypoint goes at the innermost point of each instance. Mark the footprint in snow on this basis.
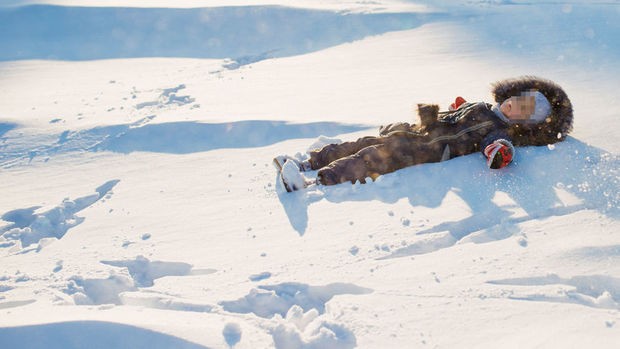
(28, 227)
(144, 272)
(232, 334)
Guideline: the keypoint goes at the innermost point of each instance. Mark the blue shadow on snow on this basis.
(178, 137)
(191, 137)
(534, 182)
(6, 127)
(89, 334)
(88, 33)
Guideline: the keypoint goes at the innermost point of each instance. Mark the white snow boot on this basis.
(303, 165)
(292, 178)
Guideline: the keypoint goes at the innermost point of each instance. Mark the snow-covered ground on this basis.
(139, 207)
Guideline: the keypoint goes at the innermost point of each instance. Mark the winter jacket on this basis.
(442, 136)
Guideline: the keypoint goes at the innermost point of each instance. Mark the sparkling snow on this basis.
(139, 206)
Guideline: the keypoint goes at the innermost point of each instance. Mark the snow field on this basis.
(139, 206)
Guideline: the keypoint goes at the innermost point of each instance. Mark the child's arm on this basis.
(498, 150)
(397, 126)
(499, 153)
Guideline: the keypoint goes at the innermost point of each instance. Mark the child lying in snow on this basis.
(528, 111)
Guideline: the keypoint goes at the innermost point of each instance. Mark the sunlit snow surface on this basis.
(139, 206)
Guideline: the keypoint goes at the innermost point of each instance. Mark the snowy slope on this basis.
(139, 206)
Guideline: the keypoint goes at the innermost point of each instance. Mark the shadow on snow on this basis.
(87, 33)
(6, 127)
(538, 183)
(89, 334)
(173, 138)
(191, 137)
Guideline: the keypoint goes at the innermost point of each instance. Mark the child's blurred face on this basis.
(518, 107)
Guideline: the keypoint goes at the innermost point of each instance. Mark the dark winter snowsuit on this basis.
(442, 136)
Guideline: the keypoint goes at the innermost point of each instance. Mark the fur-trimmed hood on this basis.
(555, 127)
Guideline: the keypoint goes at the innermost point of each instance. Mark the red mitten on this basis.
(499, 153)
(457, 103)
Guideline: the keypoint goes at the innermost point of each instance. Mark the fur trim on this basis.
(555, 127)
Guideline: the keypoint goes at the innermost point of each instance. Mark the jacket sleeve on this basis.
(466, 109)
(498, 149)
(397, 126)
(492, 137)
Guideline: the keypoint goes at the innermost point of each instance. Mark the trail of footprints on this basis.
(30, 230)
(292, 311)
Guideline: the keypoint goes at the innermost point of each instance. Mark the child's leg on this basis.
(370, 162)
(332, 152)
(395, 153)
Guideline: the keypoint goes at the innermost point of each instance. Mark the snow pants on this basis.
(370, 157)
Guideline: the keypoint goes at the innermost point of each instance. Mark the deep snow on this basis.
(139, 206)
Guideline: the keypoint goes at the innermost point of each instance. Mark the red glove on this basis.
(457, 103)
(499, 153)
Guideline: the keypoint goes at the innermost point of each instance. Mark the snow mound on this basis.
(28, 227)
(89, 334)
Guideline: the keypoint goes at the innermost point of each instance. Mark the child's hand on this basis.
(457, 103)
(499, 153)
